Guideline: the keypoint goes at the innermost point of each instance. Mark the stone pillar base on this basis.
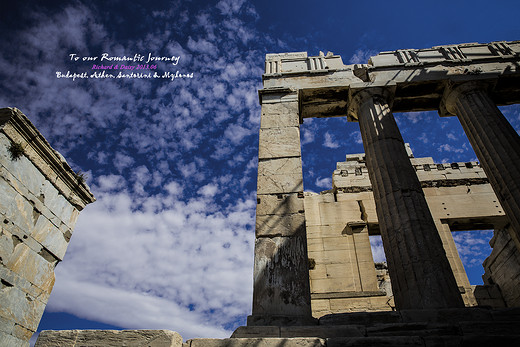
(275, 320)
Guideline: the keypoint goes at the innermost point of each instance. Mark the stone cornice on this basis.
(17, 127)
(419, 76)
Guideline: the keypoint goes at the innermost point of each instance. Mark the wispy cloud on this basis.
(329, 141)
(361, 56)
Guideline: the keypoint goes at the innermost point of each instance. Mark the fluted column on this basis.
(420, 272)
(495, 142)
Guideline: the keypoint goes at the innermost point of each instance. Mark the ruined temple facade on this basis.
(414, 204)
(343, 275)
(40, 201)
(312, 251)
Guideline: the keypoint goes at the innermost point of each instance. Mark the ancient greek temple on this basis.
(468, 81)
(315, 280)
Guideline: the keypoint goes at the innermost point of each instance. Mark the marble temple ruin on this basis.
(315, 281)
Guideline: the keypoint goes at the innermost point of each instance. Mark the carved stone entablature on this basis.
(418, 77)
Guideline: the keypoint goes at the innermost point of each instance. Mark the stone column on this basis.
(420, 272)
(495, 142)
(281, 292)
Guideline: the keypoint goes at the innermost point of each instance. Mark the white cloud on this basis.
(356, 137)
(377, 248)
(148, 268)
(329, 141)
(230, 7)
(449, 148)
(308, 136)
(209, 190)
(361, 56)
(451, 136)
(325, 182)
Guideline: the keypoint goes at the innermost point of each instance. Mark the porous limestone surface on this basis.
(108, 338)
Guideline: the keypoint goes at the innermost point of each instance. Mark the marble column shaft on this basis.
(495, 142)
(419, 269)
(281, 292)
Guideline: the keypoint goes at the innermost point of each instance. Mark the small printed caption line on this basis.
(143, 67)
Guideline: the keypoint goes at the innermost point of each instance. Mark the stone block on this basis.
(22, 333)
(279, 204)
(32, 266)
(314, 244)
(10, 340)
(490, 328)
(361, 318)
(25, 286)
(22, 169)
(280, 166)
(333, 285)
(6, 246)
(486, 341)
(288, 107)
(15, 207)
(319, 272)
(256, 331)
(49, 236)
(413, 329)
(442, 341)
(446, 315)
(257, 342)
(18, 307)
(507, 314)
(280, 225)
(280, 184)
(389, 341)
(279, 143)
(109, 338)
(285, 260)
(278, 115)
(320, 305)
(337, 243)
(322, 331)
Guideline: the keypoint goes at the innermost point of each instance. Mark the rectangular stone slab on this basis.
(109, 338)
(257, 342)
(280, 166)
(280, 225)
(279, 204)
(279, 184)
(279, 143)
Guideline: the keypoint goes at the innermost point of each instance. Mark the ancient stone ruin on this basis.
(40, 200)
(467, 81)
(314, 276)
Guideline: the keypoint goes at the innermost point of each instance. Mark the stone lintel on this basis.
(17, 127)
(420, 76)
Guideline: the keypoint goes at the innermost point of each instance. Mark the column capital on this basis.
(452, 92)
(358, 97)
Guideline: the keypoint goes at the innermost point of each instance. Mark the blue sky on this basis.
(169, 243)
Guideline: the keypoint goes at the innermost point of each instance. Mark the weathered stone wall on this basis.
(343, 276)
(502, 270)
(40, 200)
